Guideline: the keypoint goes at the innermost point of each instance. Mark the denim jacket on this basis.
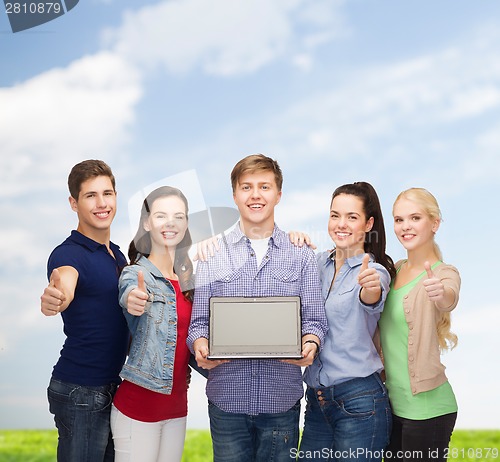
(150, 363)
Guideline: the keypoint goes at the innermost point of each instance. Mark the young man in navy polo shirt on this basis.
(83, 273)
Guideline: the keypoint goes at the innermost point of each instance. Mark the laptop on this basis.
(255, 328)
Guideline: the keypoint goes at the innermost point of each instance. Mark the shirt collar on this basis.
(352, 261)
(146, 263)
(237, 235)
(85, 241)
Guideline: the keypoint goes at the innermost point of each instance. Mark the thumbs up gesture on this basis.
(433, 285)
(53, 296)
(369, 280)
(138, 297)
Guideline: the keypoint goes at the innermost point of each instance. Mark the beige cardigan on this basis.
(422, 316)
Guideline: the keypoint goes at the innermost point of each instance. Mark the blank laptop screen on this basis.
(268, 327)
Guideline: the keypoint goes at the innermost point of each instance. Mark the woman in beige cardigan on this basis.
(414, 329)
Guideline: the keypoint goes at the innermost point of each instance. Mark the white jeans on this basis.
(137, 441)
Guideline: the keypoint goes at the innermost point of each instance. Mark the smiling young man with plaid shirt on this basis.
(254, 405)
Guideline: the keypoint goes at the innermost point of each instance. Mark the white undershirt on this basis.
(260, 248)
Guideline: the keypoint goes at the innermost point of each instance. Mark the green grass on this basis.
(28, 445)
(475, 445)
(40, 446)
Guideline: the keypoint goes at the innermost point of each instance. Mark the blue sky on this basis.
(399, 94)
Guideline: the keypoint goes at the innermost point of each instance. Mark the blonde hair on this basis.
(447, 339)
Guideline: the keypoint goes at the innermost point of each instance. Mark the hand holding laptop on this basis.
(310, 349)
(200, 348)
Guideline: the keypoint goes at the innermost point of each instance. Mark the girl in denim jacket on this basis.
(148, 418)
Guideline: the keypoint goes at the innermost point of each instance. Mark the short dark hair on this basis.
(86, 170)
(256, 163)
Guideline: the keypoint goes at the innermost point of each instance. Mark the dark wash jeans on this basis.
(350, 421)
(254, 438)
(420, 440)
(82, 415)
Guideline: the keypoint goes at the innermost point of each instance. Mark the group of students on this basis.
(372, 330)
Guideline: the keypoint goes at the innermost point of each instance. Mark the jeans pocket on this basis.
(61, 406)
(361, 406)
(89, 399)
(282, 445)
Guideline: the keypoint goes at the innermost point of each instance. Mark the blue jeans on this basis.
(82, 414)
(254, 438)
(349, 421)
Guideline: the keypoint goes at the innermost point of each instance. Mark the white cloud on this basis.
(224, 37)
(303, 61)
(306, 211)
(405, 112)
(54, 119)
(474, 101)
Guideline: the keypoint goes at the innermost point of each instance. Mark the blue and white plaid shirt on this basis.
(257, 386)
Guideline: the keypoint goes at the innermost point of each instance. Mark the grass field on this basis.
(40, 446)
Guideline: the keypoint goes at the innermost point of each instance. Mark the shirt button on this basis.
(320, 392)
(411, 358)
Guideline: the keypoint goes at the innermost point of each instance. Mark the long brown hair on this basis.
(141, 244)
(375, 240)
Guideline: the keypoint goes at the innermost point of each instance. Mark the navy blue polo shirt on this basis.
(96, 330)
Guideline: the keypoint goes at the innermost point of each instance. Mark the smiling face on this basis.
(256, 195)
(413, 227)
(167, 222)
(348, 224)
(96, 207)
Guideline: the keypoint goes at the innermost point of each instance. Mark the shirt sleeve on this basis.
(313, 310)
(198, 326)
(60, 256)
(385, 281)
(450, 277)
(126, 283)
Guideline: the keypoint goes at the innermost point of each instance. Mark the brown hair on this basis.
(86, 170)
(375, 238)
(141, 244)
(256, 163)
